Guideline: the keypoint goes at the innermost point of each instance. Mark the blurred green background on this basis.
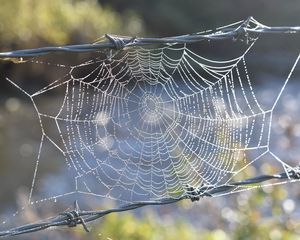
(260, 214)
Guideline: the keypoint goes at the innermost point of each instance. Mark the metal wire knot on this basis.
(74, 218)
(295, 173)
(116, 41)
(194, 194)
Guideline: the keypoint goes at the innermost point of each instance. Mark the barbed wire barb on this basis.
(77, 217)
(244, 30)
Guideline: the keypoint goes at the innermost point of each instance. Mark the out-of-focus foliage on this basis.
(128, 227)
(260, 215)
(33, 23)
(39, 23)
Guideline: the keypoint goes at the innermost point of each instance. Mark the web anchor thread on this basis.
(242, 33)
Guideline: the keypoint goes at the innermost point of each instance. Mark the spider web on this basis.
(145, 122)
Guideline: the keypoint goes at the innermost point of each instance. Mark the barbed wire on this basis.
(243, 31)
(76, 216)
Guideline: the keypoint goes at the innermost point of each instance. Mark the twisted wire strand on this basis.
(78, 217)
(120, 42)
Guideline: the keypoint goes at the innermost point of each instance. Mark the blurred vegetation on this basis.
(34, 23)
(128, 227)
(39, 23)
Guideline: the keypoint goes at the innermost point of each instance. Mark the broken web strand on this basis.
(158, 69)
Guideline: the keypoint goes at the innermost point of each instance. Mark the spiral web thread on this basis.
(145, 123)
